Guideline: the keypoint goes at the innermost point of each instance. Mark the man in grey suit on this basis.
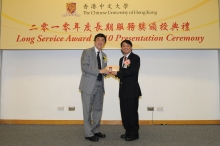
(93, 63)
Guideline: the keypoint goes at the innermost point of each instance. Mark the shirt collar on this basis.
(128, 55)
(96, 50)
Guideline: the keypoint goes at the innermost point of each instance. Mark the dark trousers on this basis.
(129, 115)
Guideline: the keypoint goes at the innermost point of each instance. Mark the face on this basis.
(126, 48)
(99, 43)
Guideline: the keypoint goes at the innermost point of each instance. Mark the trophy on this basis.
(110, 69)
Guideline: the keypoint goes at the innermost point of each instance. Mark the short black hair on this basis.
(100, 35)
(127, 42)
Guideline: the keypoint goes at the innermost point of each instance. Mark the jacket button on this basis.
(121, 82)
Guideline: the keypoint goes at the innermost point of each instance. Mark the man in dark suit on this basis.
(129, 90)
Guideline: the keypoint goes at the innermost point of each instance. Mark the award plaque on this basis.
(112, 68)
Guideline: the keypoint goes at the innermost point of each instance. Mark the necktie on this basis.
(99, 66)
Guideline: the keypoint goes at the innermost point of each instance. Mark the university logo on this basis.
(71, 7)
(71, 10)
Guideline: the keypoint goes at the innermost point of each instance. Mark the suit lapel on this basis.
(120, 63)
(130, 56)
(94, 56)
(102, 60)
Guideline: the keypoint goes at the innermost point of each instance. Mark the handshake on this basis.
(110, 70)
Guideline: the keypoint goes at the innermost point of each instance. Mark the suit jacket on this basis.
(90, 71)
(128, 85)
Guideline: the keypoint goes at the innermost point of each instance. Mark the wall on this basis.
(184, 82)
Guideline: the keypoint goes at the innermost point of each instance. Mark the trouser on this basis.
(129, 115)
(92, 109)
